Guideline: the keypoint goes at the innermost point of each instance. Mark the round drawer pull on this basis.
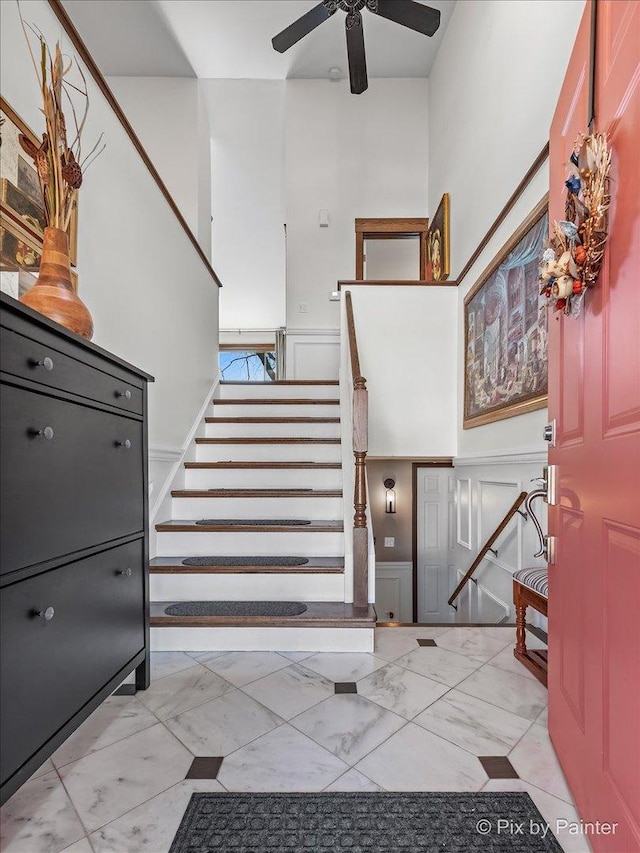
(125, 573)
(126, 444)
(47, 433)
(47, 614)
(126, 394)
(47, 363)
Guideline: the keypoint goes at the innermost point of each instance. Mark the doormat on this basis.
(363, 823)
(245, 561)
(236, 608)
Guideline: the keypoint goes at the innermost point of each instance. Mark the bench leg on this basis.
(521, 619)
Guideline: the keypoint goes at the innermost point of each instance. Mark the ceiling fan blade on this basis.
(356, 55)
(422, 19)
(301, 28)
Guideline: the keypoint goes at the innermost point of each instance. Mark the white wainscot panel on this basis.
(494, 499)
(394, 592)
(463, 519)
(313, 356)
(451, 513)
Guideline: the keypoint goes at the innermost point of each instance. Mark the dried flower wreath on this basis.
(572, 262)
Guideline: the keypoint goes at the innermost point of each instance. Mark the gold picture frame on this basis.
(505, 330)
(21, 207)
(438, 243)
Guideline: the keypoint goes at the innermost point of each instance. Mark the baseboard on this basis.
(176, 456)
(262, 639)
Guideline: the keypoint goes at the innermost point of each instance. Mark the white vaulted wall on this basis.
(152, 299)
(169, 118)
(248, 205)
(492, 93)
(355, 156)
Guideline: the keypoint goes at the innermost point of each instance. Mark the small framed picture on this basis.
(438, 243)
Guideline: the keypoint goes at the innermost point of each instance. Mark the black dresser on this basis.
(74, 534)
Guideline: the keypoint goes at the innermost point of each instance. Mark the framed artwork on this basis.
(505, 328)
(21, 207)
(438, 243)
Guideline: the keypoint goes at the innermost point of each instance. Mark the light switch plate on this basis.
(389, 542)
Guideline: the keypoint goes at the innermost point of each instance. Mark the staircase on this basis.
(267, 483)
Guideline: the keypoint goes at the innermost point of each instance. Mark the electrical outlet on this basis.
(303, 308)
(389, 542)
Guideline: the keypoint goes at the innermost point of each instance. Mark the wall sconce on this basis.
(390, 499)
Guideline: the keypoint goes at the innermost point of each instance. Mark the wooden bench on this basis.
(530, 589)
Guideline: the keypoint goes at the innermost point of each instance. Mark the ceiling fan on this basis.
(422, 19)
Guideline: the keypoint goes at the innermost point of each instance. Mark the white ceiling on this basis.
(232, 39)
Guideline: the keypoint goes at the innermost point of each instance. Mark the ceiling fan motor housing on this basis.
(349, 6)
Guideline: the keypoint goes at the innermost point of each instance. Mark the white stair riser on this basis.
(279, 392)
(263, 478)
(237, 587)
(275, 410)
(314, 508)
(295, 430)
(174, 639)
(293, 544)
(268, 452)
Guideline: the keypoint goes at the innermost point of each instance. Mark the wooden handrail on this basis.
(487, 546)
(358, 379)
(360, 447)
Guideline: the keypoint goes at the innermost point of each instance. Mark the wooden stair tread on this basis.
(267, 440)
(258, 465)
(190, 526)
(273, 401)
(256, 493)
(277, 382)
(315, 566)
(319, 614)
(283, 420)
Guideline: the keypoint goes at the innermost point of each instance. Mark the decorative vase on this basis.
(53, 294)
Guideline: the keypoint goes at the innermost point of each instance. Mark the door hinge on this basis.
(550, 550)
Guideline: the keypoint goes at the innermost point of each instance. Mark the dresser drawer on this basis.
(54, 663)
(41, 362)
(71, 477)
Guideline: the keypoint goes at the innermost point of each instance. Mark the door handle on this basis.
(531, 497)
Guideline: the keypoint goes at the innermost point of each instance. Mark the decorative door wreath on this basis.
(572, 262)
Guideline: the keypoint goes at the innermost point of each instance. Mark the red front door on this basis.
(594, 395)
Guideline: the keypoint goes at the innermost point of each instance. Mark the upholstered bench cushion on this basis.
(535, 579)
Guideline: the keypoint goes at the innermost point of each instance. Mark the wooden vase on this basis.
(53, 294)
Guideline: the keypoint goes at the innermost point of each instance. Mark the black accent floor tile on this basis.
(498, 767)
(346, 687)
(427, 643)
(125, 690)
(204, 767)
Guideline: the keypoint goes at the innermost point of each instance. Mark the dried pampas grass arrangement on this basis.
(59, 162)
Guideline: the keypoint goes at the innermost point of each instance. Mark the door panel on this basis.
(435, 511)
(594, 393)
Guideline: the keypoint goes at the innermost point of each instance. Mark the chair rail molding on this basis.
(519, 456)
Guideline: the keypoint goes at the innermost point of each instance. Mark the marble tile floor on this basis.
(419, 720)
